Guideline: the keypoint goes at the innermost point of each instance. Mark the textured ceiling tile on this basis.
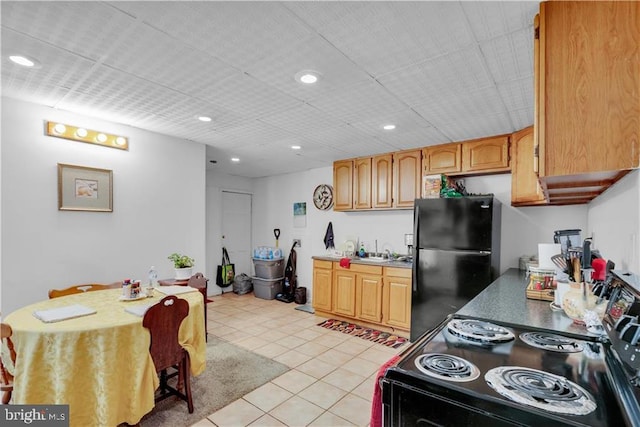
(517, 94)
(58, 72)
(87, 28)
(301, 119)
(244, 94)
(490, 19)
(316, 54)
(510, 57)
(465, 128)
(438, 78)
(238, 33)
(522, 118)
(404, 121)
(369, 33)
(461, 105)
(152, 55)
(358, 102)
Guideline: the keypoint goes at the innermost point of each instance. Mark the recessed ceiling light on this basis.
(235, 159)
(307, 77)
(204, 118)
(389, 127)
(295, 147)
(24, 61)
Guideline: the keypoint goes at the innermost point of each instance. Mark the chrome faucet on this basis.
(388, 253)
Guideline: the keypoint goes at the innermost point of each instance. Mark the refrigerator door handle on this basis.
(416, 251)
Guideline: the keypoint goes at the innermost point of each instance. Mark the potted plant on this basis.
(182, 264)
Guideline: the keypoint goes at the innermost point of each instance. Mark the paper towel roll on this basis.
(545, 252)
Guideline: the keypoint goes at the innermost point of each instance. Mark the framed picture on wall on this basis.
(82, 188)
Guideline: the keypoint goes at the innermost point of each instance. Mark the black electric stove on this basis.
(470, 371)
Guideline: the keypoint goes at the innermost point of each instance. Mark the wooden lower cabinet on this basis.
(397, 298)
(369, 297)
(344, 292)
(369, 293)
(322, 285)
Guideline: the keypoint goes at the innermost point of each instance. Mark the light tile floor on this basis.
(332, 374)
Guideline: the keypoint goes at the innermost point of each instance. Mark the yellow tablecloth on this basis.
(97, 364)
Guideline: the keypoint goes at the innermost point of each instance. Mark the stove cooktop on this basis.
(531, 376)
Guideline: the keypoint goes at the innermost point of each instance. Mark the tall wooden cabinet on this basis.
(587, 96)
(525, 188)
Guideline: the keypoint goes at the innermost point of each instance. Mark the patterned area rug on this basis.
(384, 338)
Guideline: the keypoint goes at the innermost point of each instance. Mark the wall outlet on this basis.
(297, 243)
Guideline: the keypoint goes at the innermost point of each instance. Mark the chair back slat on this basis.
(163, 321)
(77, 289)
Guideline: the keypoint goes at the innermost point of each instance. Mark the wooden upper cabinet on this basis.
(587, 96)
(525, 188)
(486, 154)
(382, 181)
(407, 177)
(446, 158)
(362, 183)
(343, 185)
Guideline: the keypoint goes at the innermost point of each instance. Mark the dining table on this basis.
(99, 364)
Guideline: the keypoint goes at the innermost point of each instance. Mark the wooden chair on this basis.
(163, 321)
(55, 293)
(199, 282)
(6, 379)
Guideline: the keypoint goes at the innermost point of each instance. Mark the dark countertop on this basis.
(505, 300)
(365, 261)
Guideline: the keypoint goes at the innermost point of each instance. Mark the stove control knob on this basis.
(624, 320)
(630, 333)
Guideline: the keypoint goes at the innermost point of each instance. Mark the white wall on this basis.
(522, 228)
(614, 220)
(158, 206)
(216, 184)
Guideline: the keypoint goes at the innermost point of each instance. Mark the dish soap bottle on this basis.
(361, 252)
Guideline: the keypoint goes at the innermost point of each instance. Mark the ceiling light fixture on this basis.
(307, 77)
(235, 159)
(24, 61)
(204, 118)
(295, 147)
(80, 134)
(389, 127)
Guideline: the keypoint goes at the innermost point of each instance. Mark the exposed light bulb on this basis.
(81, 132)
(101, 137)
(120, 140)
(59, 128)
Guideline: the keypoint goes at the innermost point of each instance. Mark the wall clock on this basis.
(323, 196)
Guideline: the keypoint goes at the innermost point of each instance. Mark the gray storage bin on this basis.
(269, 268)
(267, 288)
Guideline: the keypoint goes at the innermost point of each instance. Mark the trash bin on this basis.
(300, 295)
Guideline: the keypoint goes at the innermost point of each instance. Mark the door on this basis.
(443, 282)
(455, 223)
(344, 293)
(236, 230)
(369, 298)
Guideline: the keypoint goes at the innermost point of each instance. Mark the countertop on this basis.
(365, 261)
(505, 300)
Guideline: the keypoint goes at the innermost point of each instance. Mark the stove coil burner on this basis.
(478, 331)
(540, 389)
(552, 342)
(447, 367)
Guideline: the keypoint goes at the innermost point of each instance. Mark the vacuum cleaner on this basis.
(290, 278)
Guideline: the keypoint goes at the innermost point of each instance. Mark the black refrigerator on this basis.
(456, 255)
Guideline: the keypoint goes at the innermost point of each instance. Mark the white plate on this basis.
(138, 298)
